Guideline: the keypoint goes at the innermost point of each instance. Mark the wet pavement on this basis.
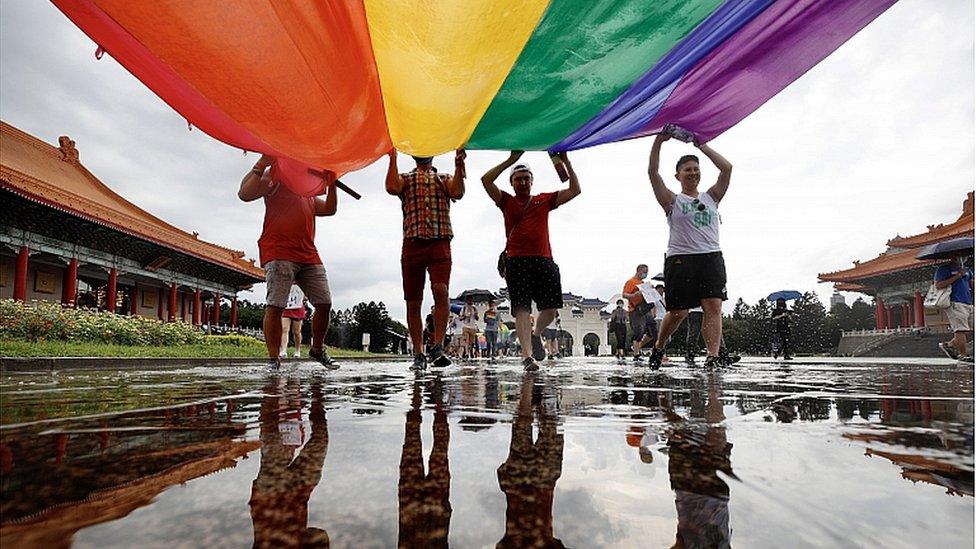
(586, 453)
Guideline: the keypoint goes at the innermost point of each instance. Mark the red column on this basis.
(134, 301)
(216, 310)
(69, 286)
(890, 316)
(172, 302)
(112, 293)
(196, 307)
(919, 310)
(20, 276)
(233, 312)
(880, 318)
(159, 303)
(906, 315)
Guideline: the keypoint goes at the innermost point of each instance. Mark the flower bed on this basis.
(44, 321)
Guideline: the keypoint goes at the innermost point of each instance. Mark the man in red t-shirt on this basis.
(288, 254)
(530, 272)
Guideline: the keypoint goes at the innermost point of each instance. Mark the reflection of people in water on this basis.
(280, 493)
(697, 451)
(528, 477)
(425, 506)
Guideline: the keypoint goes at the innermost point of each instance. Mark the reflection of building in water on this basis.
(280, 493)
(529, 474)
(425, 499)
(54, 485)
(65, 236)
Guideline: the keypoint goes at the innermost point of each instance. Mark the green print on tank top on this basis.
(702, 218)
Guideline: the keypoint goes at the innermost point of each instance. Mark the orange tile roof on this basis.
(53, 176)
(959, 228)
(883, 264)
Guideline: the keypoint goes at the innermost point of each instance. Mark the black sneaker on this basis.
(529, 364)
(967, 359)
(538, 350)
(729, 359)
(323, 358)
(438, 358)
(419, 362)
(657, 355)
(690, 359)
(713, 362)
(274, 363)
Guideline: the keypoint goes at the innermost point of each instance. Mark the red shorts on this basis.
(419, 257)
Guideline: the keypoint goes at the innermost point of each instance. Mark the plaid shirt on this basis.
(426, 205)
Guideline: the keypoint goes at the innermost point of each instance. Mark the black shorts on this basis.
(690, 278)
(533, 279)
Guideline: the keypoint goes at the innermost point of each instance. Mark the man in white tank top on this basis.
(694, 271)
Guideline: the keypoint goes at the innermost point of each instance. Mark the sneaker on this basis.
(967, 359)
(787, 357)
(529, 364)
(657, 356)
(731, 359)
(323, 358)
(274, 363)
(949, 350)
(419, 362)
(538, 350)
(438, 358)
(713, 362)
(283, 354)
(298, 354)
(690, 359)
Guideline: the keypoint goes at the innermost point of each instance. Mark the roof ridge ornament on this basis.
(68, 151)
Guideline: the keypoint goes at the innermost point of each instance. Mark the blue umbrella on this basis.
(947, 249)
(456, 307)
(788, 295)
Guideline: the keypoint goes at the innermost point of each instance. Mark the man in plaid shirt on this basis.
(426, 197)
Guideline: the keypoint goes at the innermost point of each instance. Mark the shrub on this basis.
(44, 321)
(230, 340)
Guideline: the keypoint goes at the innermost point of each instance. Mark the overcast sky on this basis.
(877, 140)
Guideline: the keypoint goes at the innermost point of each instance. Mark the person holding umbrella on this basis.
(781, 318)
(960, 311)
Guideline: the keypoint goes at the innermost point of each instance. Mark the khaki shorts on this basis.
(280, 274)
(469, 335)
(960, 317)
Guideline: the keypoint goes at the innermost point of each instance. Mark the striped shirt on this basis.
(426, 204)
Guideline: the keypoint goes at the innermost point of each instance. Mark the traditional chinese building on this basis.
(582, 323)
(898, 281)
(66, 236)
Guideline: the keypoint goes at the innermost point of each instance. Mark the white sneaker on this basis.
(283, 354)
(298, 354)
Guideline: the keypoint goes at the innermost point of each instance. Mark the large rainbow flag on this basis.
(335, 84)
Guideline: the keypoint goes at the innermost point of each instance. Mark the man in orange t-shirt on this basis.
(288, 254)
(641, 313)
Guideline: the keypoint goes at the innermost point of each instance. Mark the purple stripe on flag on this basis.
(630, 112)
(765, 56)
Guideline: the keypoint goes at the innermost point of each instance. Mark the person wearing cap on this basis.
(694, 269)
(288, 254)
(530, 272)
(425, 197)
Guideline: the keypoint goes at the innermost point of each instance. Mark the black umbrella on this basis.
(477, 295)
(947, 249)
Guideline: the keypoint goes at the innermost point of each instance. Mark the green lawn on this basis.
(250, 349)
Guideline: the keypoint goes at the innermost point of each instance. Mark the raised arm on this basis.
(394, 183)
(252, 188)
(455, 187)
(719, 189)
(939, 284)
(488, 180)
(573, 190)
(663, 195)
(327, 206)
